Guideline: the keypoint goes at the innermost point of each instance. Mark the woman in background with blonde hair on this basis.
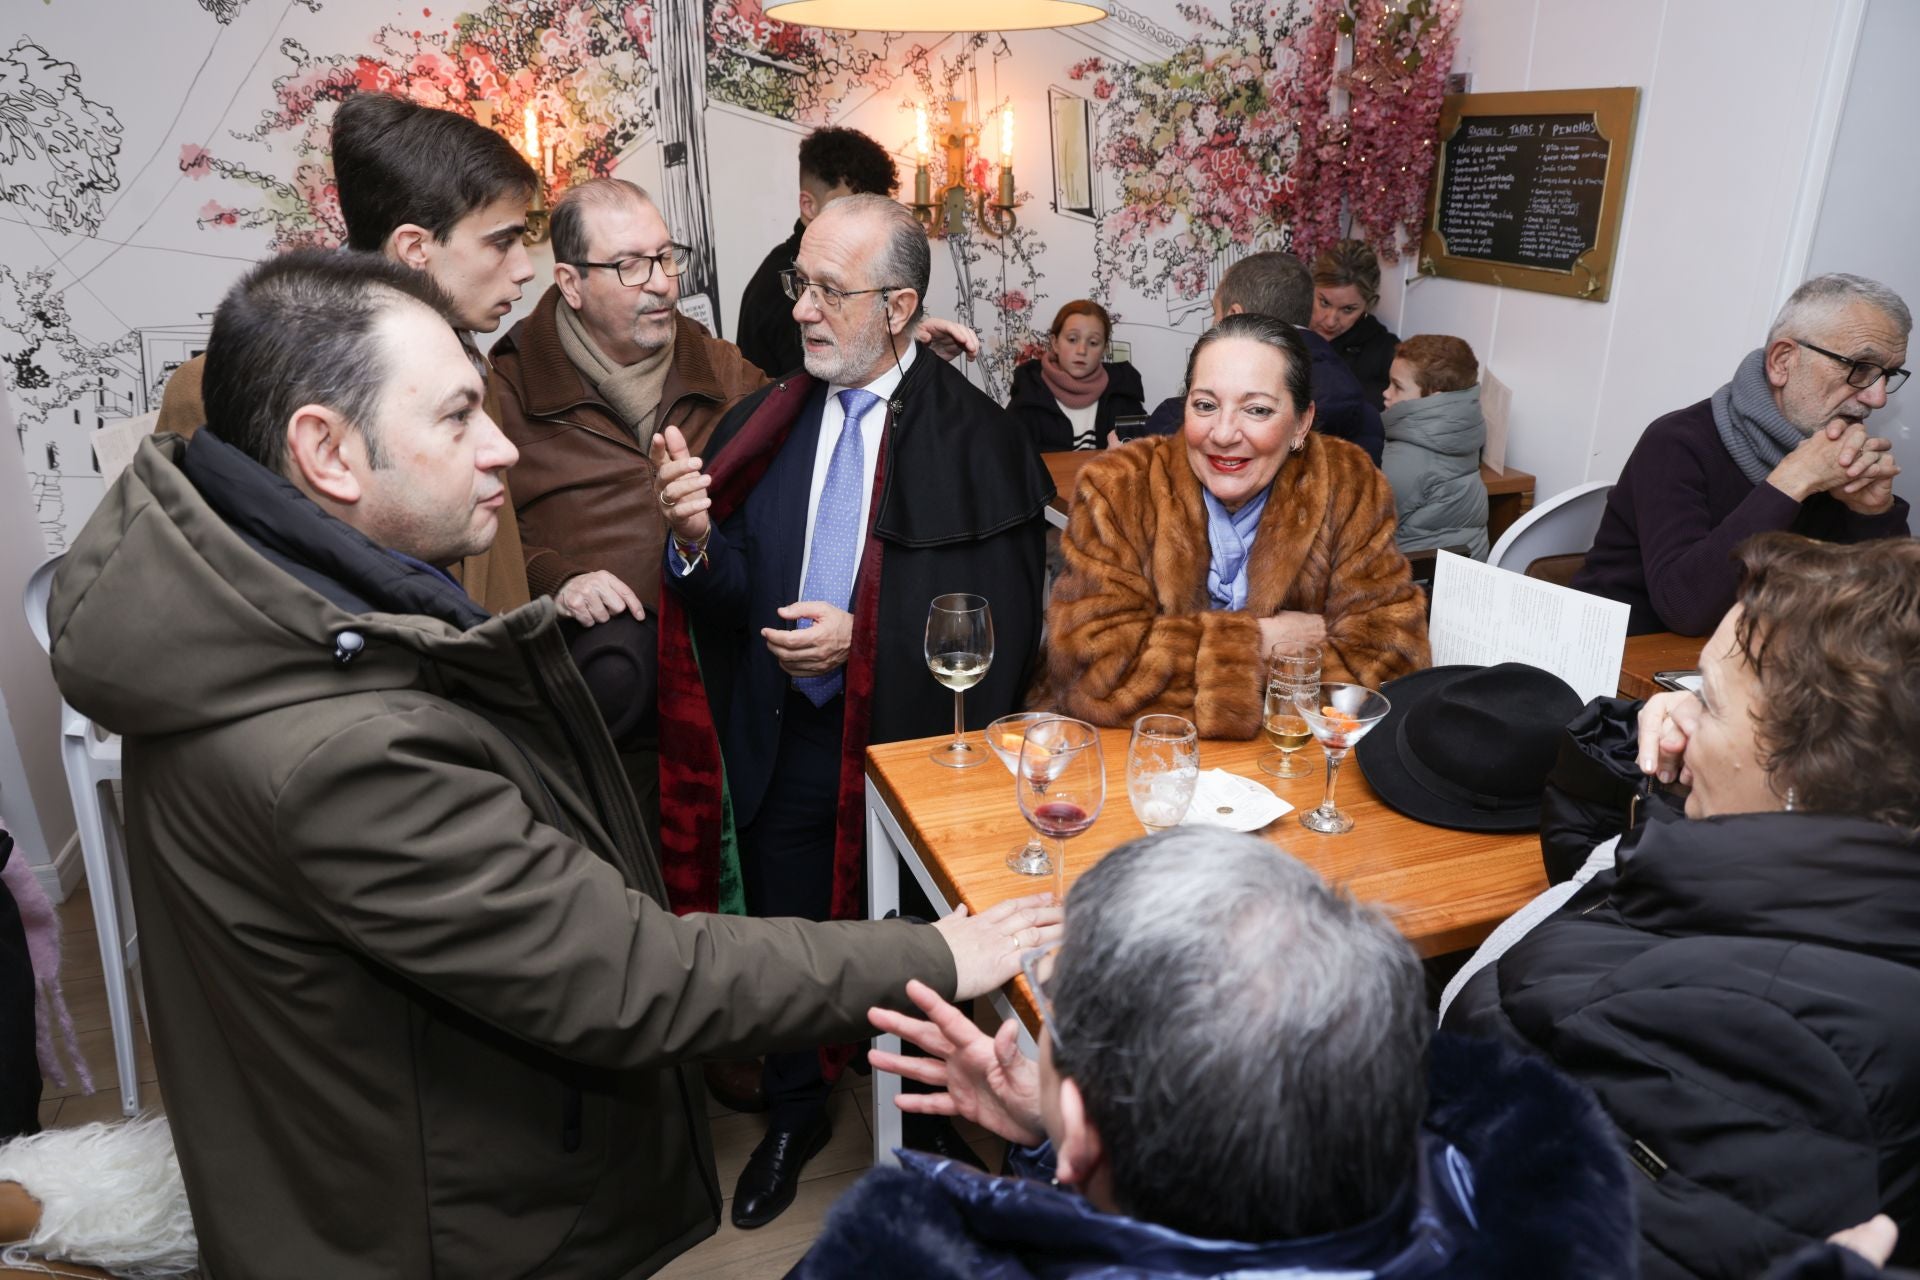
(1346, 289)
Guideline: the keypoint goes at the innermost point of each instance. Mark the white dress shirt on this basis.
(872, 427)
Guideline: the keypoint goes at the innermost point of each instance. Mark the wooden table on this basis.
(1660, 651)
(952, 831)
(1509, 495)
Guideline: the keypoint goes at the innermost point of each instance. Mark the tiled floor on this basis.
(730, 1254)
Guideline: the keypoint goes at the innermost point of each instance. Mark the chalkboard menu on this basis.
(1530, 188)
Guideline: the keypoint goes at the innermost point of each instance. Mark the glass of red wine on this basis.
(1061, 784)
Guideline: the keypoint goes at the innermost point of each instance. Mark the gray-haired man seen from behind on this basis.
(1236, 1077)
(417, 1004)
(1782, 446)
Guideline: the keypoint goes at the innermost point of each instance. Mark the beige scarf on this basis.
(632, 389)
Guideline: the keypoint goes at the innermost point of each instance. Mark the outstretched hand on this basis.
(987, 947)
(948, 339)
(986, 1080)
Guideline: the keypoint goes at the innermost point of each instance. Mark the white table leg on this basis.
(883, 895)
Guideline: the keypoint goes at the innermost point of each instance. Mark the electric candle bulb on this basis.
(533, 134)
(1006, 135)
(921, 142)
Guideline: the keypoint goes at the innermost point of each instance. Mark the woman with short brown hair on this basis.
(1740, 991)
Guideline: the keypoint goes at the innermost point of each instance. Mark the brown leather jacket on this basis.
(495, 578)
(583, 486)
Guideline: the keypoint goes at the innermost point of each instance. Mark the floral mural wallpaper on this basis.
(139, 176)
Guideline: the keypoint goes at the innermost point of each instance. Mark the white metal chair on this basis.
(92, 760)
(1562, 525)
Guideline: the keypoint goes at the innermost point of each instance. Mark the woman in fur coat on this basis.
(1189, 557)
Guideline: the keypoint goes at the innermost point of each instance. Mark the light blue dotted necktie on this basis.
(837, 534)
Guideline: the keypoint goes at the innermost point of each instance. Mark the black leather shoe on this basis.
(736, 1084)
(772, 1176)
(936, 1135)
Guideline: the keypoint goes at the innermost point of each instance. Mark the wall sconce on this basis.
(538, 219)
(948, 215)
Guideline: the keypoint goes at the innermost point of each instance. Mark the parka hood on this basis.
(171, 615)
(1447, 422)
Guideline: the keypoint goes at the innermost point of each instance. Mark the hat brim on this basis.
(1379, 756)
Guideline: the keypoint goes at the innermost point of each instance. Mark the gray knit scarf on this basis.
(633, 390)
(1751, 425)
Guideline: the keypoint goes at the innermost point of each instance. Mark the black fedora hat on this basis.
(1469, 747)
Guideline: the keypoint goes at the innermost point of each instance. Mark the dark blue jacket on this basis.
(1519, 1177)
(1340, 405)
(1738, 993)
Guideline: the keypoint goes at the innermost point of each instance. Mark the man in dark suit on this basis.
(834, 162)
(1279, 285)
(801, 565)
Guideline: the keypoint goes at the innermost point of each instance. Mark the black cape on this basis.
(961, 507)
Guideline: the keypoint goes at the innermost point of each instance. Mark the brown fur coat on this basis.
(1132, 629)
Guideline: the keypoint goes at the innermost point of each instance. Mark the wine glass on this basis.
(1163, 768)
(1061, 785)
(1339, 716)
(1005, 736)
(1292, 670)
(959, 651)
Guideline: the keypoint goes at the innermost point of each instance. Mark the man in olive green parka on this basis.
(418, 1007)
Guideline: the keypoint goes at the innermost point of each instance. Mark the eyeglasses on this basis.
(1037, 966)
(796, 287)
(638, 269)
(1862, 373)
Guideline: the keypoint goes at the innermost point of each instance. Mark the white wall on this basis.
(1865, 223)
(1728, 90)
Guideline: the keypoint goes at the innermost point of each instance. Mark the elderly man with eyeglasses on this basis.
(584, 384)
(1236, 1077)
(804, 552)
(1782, 446)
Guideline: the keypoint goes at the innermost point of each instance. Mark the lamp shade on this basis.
(936, 15)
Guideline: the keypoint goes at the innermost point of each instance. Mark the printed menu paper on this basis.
(1482, 616)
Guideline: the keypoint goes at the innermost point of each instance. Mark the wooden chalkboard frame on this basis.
(1614, 112)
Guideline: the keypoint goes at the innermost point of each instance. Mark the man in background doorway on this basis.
(833, 163)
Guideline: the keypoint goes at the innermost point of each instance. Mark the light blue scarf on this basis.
(1230, 536)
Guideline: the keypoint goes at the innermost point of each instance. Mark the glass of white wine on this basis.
(959, 651)
(1163, 768)
(1293, 671)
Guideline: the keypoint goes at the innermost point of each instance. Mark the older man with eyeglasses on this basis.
(805, 551)
(585, 383)
(1782, 446)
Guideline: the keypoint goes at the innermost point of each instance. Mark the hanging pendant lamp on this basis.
(936, 15)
